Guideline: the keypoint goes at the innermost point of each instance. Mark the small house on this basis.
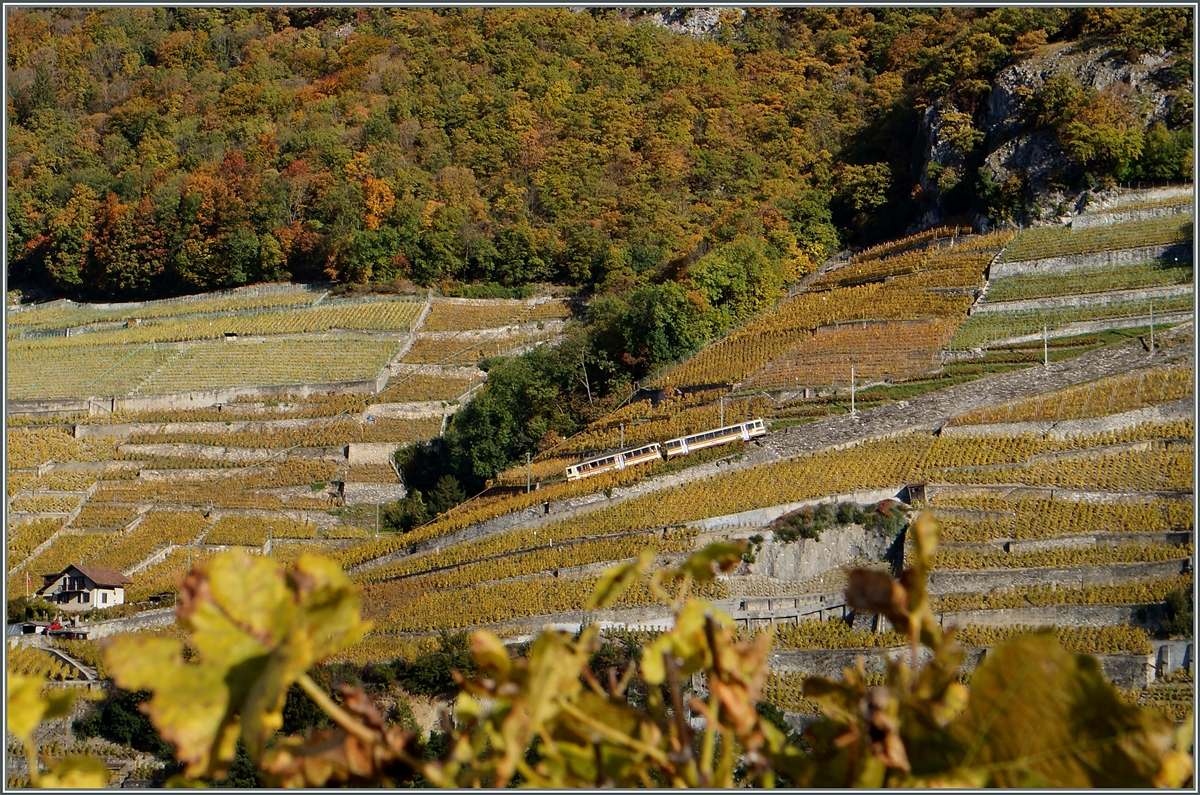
(80, 587)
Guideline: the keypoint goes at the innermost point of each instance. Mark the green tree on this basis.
(446, 494)
(71, 238)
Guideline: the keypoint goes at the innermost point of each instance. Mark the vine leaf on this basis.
(27, 707)
(1039, 714)
(616, 580)
(75, 772)
(699, 565)
(255, 631)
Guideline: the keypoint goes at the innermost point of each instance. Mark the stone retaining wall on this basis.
(1096, 259)
(1088, 299)
(1086, 220)
(124, 429)
(1059, 615)
(1123, 670)
(199, 399)
(411, 411)
(372, 493)
(1096, 326)
(1063, 429)
(761, 517)
(163, 617)
(371, 452)
(496, 332)
(984, 580)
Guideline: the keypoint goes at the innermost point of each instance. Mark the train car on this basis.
(698, 441)
(620, 460)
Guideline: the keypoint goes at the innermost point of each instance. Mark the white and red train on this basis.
(675, 447)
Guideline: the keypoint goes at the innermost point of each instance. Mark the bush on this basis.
(29, 608)
(1179, 613)
(430, 673)
(120, 720)
(811, 522)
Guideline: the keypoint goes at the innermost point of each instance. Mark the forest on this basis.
(157, 151)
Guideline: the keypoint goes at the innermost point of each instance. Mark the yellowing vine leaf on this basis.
(255, 631)
(75, 772)
(1039, 714)
(27, 707)
(616, 580)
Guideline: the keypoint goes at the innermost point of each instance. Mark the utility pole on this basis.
(722, 411)
(528, 471)
(1045, 347)
(853, 410)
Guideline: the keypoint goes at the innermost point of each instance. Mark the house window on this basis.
(87, 597)
(103, 598)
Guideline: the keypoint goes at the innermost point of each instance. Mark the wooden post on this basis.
(528, 471)
(1151, 328)
(1045, 347)
(852, 408)
(586, 382)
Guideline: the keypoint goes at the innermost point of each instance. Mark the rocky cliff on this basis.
(1014, 149)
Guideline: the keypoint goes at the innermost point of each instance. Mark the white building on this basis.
(81, 587)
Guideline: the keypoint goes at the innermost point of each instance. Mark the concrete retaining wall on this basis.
(1090, 299)
(1096, 259)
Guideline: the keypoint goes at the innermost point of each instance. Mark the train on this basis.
(654, 451)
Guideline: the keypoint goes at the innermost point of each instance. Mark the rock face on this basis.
(808, 558)
(1013, 147)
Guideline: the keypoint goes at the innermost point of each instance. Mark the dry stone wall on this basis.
(1063, 429)
(985, 580)
(1087, 220)
(1097, 259)
(1089, 299)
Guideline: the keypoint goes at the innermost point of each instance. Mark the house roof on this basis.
(103, 576)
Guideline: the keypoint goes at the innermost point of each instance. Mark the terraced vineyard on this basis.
(1106, 501)
(469, 348)
(451, 315)
(923, 287)
(1113, 395)
(67, 314)
(1060, 241)
(876, 350)
(984, 328)
(28, 661)
(1089, 280)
